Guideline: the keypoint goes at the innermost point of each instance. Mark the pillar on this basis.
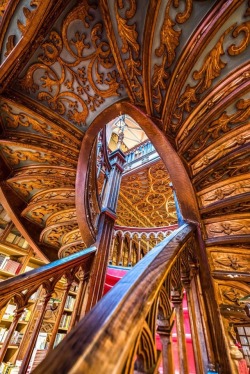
(105, 228)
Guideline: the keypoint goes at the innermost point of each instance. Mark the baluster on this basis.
(201, 310)
(60, 313)
(112, 249)
(138, 252)
(79, 300)
(120, 251)
(130, 251)
(186, 281)
(176, 298)
(164, 330)
(35, 332)
(18, 312)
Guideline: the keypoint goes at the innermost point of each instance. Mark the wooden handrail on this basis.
(12, 286)
(107, 339)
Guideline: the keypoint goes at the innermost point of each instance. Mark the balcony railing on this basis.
(118, 334)
(138, 155)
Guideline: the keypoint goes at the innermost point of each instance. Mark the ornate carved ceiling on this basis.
(146, 199)
(184, 63)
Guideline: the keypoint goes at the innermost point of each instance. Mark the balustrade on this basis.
(130, 244)
(42, 282)
(136, 156)
(118, 334)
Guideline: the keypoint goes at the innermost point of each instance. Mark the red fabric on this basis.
(243, 367)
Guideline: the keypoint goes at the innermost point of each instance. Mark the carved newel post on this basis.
(105, 228)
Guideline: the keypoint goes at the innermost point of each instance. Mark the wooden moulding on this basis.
(178, 175)
(103, 340)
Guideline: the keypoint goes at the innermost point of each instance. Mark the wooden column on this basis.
(12, 328)
(181, 339)
(105, 228)
(34, 335)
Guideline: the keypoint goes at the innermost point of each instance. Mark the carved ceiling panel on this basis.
(228, 259)
(206, 133)
(54, 236)
(74, 71)
(17, 117)
(27, 187)
(231, 293)
(23, 14)
(127, 35)
(228, 225)
(173, 26)
(146, 197)
(17, 155)
(227, 45)
(41, 213)
(220, 191)
(3, 6)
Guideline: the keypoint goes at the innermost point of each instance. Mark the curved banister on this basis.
(103, 341)
(12, 286)
(41, 283)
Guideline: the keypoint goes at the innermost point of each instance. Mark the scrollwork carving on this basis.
(130, 46)
(87, 77)
(28, 14)
(235, 167)
(27, 187)
(169, 41)
(245, 29)
(218, 127)
(15, 156)
(21, 119)
(235, 227)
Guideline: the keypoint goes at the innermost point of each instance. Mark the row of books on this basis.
(10, 312)
(65, 321)
(17, 240)
(15, 339)
(9, 368)
(59, 338)
(9, 265)
(3, 334)
(69, 302)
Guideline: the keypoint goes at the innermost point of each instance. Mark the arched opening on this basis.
(171, 160)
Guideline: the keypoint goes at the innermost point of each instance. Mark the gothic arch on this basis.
(172, 161)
